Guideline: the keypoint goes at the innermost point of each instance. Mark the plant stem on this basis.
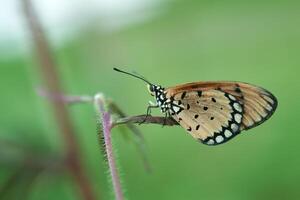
(51, 78)
(149, 120)
(136, 119)
(69, 99)
(107, 125)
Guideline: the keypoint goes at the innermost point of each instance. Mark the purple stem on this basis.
(70, 99)
(107, 126)
(47, 67)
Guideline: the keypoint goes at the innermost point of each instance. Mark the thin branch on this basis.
(70, 99)
(129, 121)
(141, 119)
(114, 108)
(106, 123)
(51, 78)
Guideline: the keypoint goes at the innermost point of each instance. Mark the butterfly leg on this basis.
(148, 111)
(167, 115)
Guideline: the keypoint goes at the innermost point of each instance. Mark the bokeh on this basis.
(169, 42)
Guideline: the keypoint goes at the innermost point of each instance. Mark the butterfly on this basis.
(213, 112)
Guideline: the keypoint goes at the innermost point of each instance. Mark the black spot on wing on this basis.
(238, 90)
(183, 95)
(199, 93)
(188, 106)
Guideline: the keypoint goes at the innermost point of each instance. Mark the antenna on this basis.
(134, 75)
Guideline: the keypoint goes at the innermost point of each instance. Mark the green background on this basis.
(256, 42)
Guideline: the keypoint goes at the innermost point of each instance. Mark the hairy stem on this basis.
(107, 125)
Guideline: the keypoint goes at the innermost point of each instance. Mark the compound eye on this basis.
(151, 89)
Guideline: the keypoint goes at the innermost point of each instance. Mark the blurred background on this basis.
(169, 42)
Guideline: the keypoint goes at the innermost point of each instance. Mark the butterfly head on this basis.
(151, 89)
(155, 90)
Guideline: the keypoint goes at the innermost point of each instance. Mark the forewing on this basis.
(254, 104)
(259, 104)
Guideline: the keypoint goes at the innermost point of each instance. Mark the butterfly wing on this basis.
(215, 112)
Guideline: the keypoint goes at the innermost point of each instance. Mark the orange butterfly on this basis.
(213, 112)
